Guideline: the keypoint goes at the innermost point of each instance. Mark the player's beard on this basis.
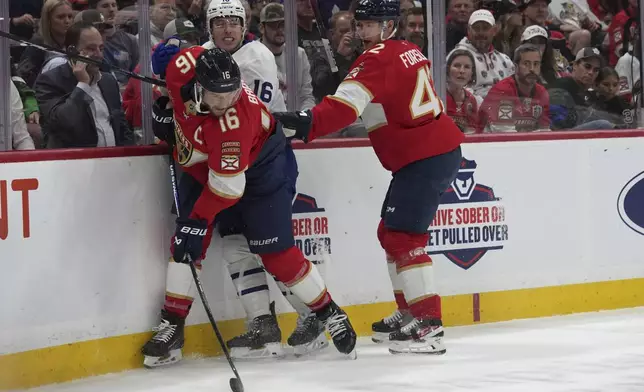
(219, 103)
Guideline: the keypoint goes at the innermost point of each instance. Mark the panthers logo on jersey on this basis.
(184, 147)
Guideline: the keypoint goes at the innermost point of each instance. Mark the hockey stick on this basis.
(236, 384)
(76, 56)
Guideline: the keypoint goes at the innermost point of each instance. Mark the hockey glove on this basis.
(162, 125)
(162, 55)
(188, 239)
(296, 124)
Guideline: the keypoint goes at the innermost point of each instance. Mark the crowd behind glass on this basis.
(531, 66)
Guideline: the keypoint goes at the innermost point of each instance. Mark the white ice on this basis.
(601, 352)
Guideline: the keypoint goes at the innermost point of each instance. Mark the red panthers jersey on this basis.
(391, 87)
(505, 110)
(215, 150)
(465, 114)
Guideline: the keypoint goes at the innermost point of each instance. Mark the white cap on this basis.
(534, 31)
(482, 16)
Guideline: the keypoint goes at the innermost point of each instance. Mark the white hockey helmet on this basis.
(224, 8)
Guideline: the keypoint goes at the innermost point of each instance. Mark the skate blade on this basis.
(270, 350)
(380, 337)
(319, 344)
(173, 356)
(428, 347)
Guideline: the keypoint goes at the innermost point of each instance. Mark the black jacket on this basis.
(66, 115)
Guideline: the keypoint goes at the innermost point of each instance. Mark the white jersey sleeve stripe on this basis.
(354, 94)
(228, 187)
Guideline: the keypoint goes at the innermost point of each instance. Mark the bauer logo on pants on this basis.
(630, 203)
(469, 222)
(311, 229)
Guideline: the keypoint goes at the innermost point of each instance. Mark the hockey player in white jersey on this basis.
(226, 22)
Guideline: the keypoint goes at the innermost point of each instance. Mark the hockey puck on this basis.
(236, 385)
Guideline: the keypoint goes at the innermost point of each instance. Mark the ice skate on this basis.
(308, 336)
(388, 325)
(263, 339)
(421, 336)
(164, 348)
(337, 324)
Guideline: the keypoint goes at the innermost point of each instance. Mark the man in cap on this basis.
(491, 65)
(183, 29)
(271, 26)
(571, 98)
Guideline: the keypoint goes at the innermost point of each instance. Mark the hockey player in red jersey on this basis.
(390, 86)
(232, 153)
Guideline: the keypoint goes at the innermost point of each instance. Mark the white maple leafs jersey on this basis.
(259, 71)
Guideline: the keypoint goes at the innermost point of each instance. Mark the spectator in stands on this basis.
(30, 107)
(461, 104)
(21, 139)
(121, 48)
(346, 46)
(78, 5)
(510, 24)
(194, 11)
(187, 32)
(579, 29)
(605, 10)
(256, 7)
(517, 103)
(310, 38)
(552, 68)
(458, 14)
(272, 30)
(615, 108)
(572, 103)
(126, 19)
(24, 15)
(622, 28)
(406, 5)
(28, 98)
(88, 16)
(81, 106)
(56, 18)
(249, 36)
(491, 65)
(535, 12)
(629, 71)
(412, 27)
(161, 13)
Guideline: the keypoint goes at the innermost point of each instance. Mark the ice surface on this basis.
(601, 351)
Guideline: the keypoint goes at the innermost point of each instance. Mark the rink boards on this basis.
(529, 229)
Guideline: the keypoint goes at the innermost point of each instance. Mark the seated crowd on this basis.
(534, 65)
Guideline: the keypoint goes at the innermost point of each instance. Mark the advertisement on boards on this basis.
(311, 228)
(470, 221)
(630, 203)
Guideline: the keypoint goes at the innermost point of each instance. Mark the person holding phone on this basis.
(80, 105)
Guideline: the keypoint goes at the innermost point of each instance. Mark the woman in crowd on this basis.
(553, 66)
(509, 36)
(461, 104)
(613, 107)
(56, 18)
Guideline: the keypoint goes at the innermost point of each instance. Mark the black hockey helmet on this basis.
(217, 71)
(378, 10)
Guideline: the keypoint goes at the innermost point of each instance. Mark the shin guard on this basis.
(415, 272)
(299, 275)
